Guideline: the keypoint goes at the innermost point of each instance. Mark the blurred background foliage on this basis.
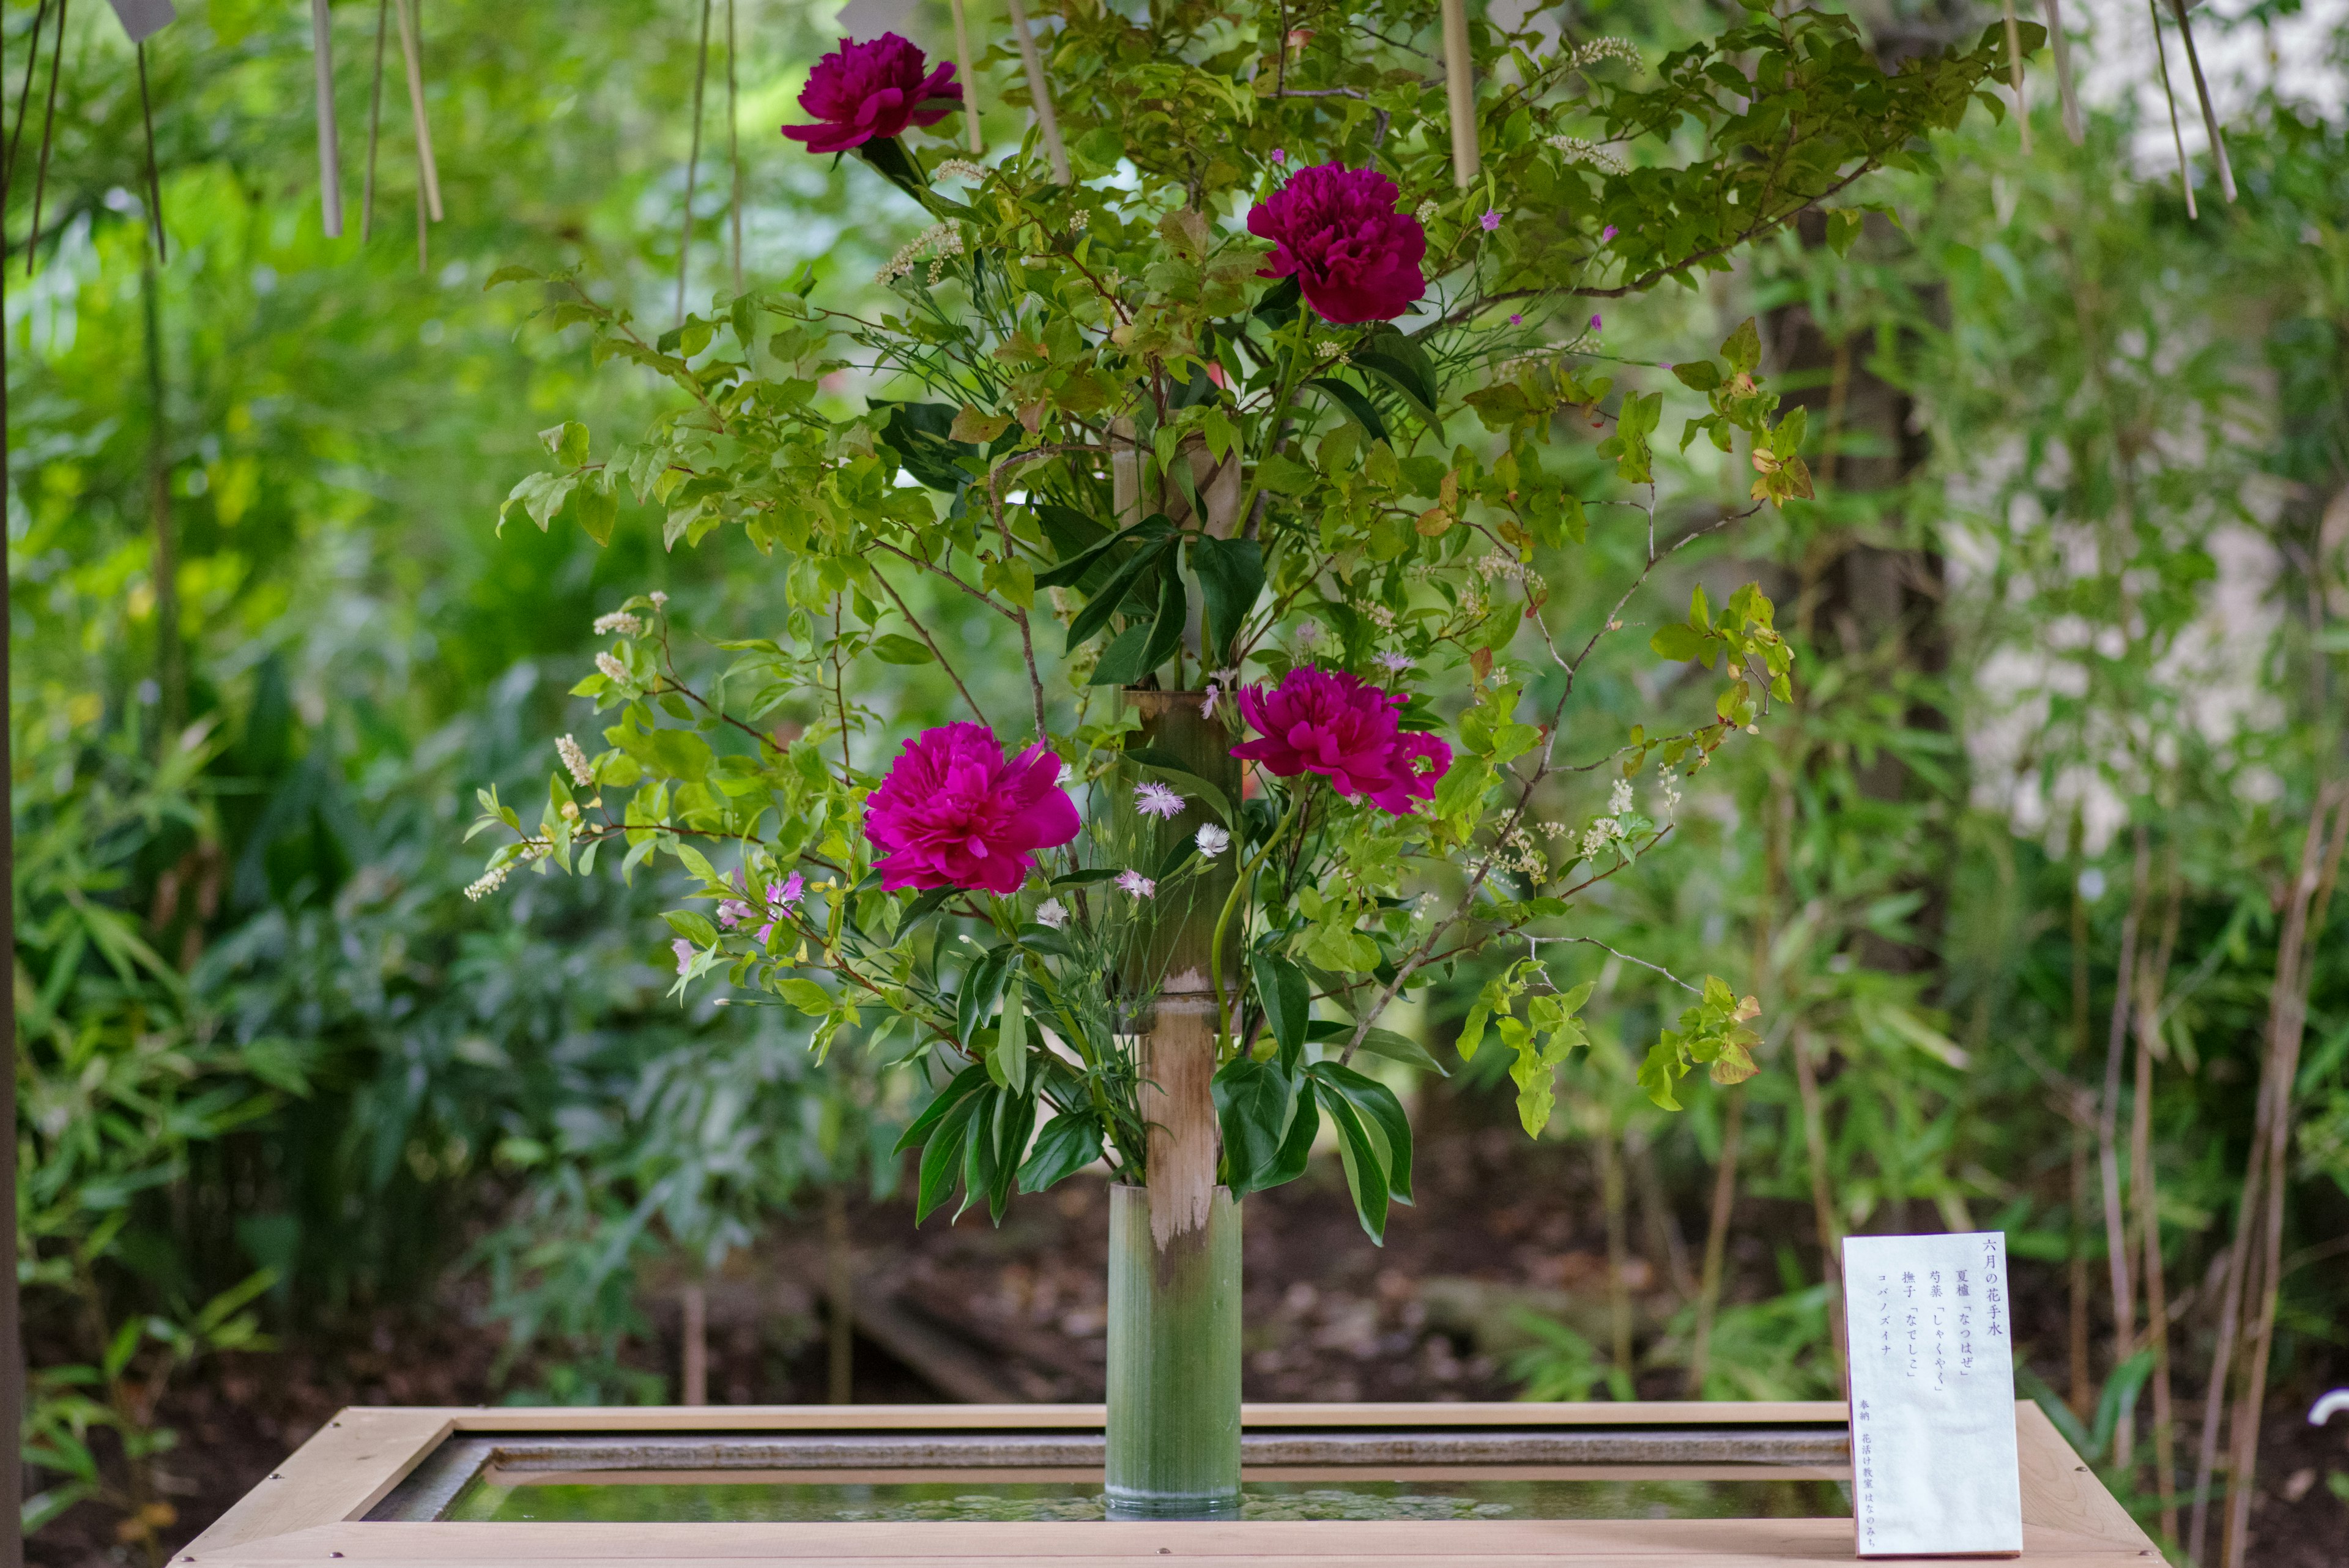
(2061, 795)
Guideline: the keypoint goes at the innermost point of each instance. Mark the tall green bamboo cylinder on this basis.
(1174, 1363)
(1173, 1449)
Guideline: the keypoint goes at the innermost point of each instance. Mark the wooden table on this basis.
(313, 1508)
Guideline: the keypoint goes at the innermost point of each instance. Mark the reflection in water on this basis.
(977, 1502)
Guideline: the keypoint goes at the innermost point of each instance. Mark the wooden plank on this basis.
(2060, 1492)
(1027, 1417)
(341, 1472)
(1593, 1543)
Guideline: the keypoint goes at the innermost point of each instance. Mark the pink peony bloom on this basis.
(1419, 760)
(1337, 231)
(859, 91)
(1323, 722)
(954, 813)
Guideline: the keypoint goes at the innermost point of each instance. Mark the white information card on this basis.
(1932, 1396)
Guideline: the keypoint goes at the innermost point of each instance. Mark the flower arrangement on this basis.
(1242, 432)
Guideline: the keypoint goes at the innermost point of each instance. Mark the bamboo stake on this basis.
(2056, 35)
(2083, 1395)
(2202, 92)
(1619, 1289)
(841, 1294)
(692, 162)
(1823, 1211)
(1040, 91)
(2014, 71)
(330, 148)
(411, 55)
(693, 1348)
(1460, 91)
(2152, 983)
(970, 79)
(1716, 1237)
(2273, 1108)
(2176, 135)
(2108, 1162)
(374, 122)
(2288, 1015)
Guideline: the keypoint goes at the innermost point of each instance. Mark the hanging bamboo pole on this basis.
(2056, 35)
(733, 150)
(330, 148)
(693, 162)
(2202, 92)
(1460, 92)
(2177, 134)
(374, 122)
(412, 57)
(1041, 90)
(969, 81)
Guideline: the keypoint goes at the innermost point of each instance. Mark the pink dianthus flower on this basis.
(955, 813)
(875, 89)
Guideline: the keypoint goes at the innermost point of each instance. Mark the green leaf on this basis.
(1401, 1048)
(1070, 1142)
(1743, 348)
(1698, 374)
(1105, 604)
(962, 1084)
(1677, 642)
(1288, 1000)
(1376, 1102)
(1297, 1150)
(1357, 407)
(1843, 228)
(1284, 475)
(1231, 577)
(982, 983)
(1008, 1063)
(1366, 1177)
(890, 648)
(1122, 661)
(1254, 1101)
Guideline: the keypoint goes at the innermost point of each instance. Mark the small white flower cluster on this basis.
(1327, 349)
(1135, 883)
(1078, 220)
(1211, 840)
(1609, 829)
(1498, 565)
(937, 242)
(1669, 793)
(1578, 151)
(612, 670)
(1517, 852)
(962, 169)
(1054, 913)
(1426, 214)
(575, 761)
(620, 621)
(1378, 615)
(1599, 49)
(660, 599)
(490, 881)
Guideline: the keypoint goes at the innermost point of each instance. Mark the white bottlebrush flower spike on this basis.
(613, 669)
(1135, 883)
(1155, 799)
(575, 760)
(619, 621)
(1211, 840)
(1619, 800)
(1054, 913)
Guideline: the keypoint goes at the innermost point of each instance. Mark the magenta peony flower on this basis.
(953, 812)
(859, 91)
(1419, 760)
(1337, 230)
(1323, 722)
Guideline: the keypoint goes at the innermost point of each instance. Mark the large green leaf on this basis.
(1070, 1142)
(1288, 1000)
(1375, 1101)
(1254, 1101)
(1366, 1177)
(1231, 577)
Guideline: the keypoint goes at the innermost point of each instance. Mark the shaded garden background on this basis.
(302, 1125)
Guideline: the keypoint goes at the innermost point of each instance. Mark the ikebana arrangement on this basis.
(1239, 426)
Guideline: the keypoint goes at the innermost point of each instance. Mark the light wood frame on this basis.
(311, 1509)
